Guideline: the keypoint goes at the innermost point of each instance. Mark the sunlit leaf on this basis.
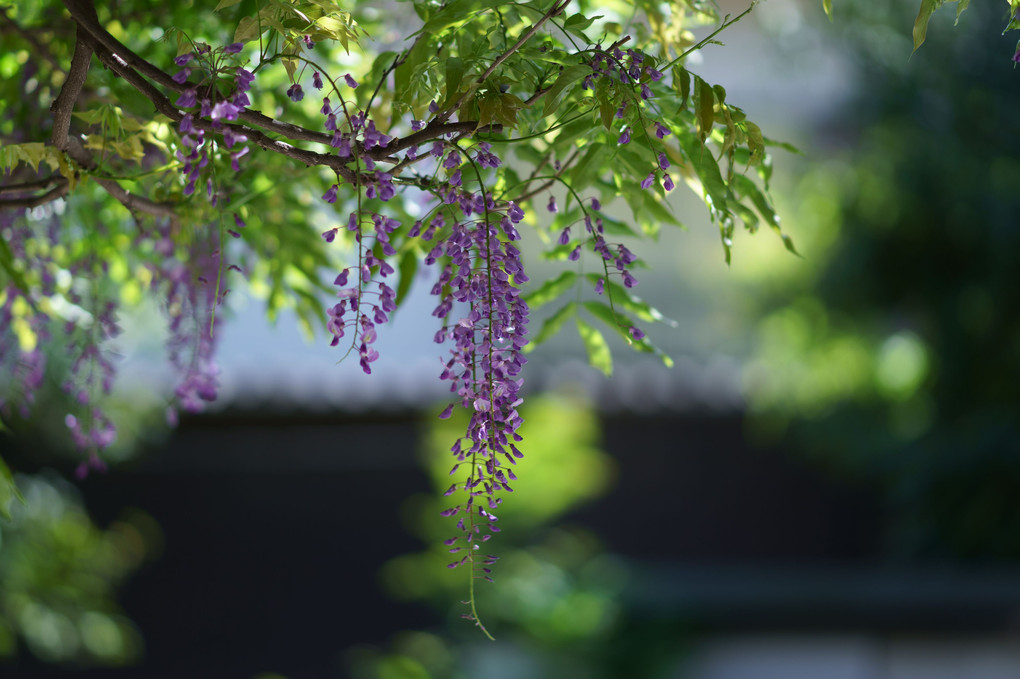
(595, 344)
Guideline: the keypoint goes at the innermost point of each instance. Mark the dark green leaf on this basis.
(408, 267)
(454, 75)
(8, 491)
(706, 107)
(559, 90)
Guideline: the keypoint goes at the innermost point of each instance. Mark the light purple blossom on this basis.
(233, 48)
(625, 137)
(187, 99)
(648, 181)
(330, 195)
(351, 82)
(667, 183)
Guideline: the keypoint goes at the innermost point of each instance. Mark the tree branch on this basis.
(22, 187)
(53, 194)
(132, 68)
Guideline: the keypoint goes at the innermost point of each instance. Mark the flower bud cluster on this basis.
(210, 66)
(632, 71)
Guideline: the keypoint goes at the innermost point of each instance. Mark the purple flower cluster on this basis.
(86, 338)
(367, 308)
(194, 154)
(189, 284)
(480, 279)
(636, 69)
(91, 378)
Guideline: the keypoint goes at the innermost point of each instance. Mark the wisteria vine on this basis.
(443, 151)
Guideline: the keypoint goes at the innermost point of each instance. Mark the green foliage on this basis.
(58, 574)
(895, 360)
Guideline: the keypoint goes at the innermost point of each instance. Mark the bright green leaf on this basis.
(550, 290)
(928, 7)
(595, 344)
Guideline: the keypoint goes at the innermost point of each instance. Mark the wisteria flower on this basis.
(663, 161)
(667, 183)
(233, 48)
(625, 137)
(351, 82)
(182, 76)
(661, 131)
(374, 137)
(648, 181)
(224, 110)
(552, 207)
(330, 195)
(295, 92)
(183, 59)
(243, 78)
(316, 80)
(187, 99)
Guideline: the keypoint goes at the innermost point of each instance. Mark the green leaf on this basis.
(454, 75)
(550, 290)
(8, 491)
(592, 162)
(632, 303)
(827, 5)
(622, 325)
(755, 143)
(596, 346)
(706, 107)
(247, 30)
(928, 7)
(223, 4)
(682, 78)
(577, 23)
(551, 326)
(7, 264)
(959, 9)
(558, 91)
(715, 189)
(408, 267)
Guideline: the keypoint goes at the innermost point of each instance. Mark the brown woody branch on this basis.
(58, 191)
(134, 69)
